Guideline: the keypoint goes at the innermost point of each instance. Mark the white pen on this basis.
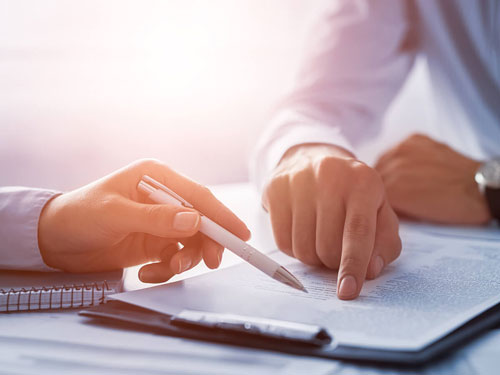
(159, 193)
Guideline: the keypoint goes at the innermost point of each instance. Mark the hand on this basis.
(427, 180)
(109, 225)
(329, 209)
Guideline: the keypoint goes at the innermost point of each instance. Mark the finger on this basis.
(212, 252)
(159, 272)
(134, 249)
(156, 272)
(161, 220)
(329, 229)
(188, 257)
(387, 241)
(304, 223)
(142, 248)
(280, 213)
(357, 244)
(198, 195)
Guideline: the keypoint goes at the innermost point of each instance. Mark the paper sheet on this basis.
(436, 285)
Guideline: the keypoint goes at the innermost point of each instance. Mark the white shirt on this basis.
(20, 210)
(360, 55)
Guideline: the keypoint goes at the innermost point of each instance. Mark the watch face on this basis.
(489, 174)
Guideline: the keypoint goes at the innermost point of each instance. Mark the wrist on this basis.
(48, 232)
(487, 177)
(322, 149)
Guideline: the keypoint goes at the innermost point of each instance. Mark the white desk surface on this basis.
(63, 342)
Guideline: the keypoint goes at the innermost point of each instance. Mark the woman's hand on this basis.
(109, 225)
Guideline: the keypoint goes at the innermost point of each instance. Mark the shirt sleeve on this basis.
(356, 59)
(20, 210)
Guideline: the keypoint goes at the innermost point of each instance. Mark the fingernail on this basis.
(184, 264)
(185, 221)
(219, 257)
(378, 264)
(348, 286)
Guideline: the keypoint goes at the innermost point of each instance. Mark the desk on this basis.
(63, 342)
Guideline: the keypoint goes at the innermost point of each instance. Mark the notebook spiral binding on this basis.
(54, 297)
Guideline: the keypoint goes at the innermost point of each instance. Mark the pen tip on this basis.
(301, 287)
(284, 276)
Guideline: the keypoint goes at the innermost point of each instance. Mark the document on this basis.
(437, 284)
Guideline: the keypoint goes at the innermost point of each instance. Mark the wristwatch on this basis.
(488, 180)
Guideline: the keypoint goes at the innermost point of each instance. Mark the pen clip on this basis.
(146, 180)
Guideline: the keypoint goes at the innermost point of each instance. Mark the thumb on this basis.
(162, 220)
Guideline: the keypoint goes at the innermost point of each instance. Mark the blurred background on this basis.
(87, 87)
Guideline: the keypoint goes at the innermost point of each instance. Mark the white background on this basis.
(87, 87)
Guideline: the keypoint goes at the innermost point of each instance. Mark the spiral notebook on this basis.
(24, 290)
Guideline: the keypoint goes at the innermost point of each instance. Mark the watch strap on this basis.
(493, 198)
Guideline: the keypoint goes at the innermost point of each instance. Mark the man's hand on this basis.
(427, 180)
(329, 209)
(108, 225)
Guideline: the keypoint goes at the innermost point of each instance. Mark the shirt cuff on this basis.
(20, 210)
(289, 130)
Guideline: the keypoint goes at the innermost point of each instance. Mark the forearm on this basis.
(345, 84)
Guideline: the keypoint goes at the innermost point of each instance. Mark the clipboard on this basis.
(319, 343)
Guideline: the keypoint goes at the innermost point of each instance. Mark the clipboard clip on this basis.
(258, 327)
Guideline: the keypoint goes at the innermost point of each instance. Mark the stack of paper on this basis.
(438, 283)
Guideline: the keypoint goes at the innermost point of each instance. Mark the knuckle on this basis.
(148, 163)
(351, 263)
(108, 204)
(154, 212)
(277, 185)
(204, 191)
(159, 214)
(325, 167)
(360, 169)
(357, 226)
